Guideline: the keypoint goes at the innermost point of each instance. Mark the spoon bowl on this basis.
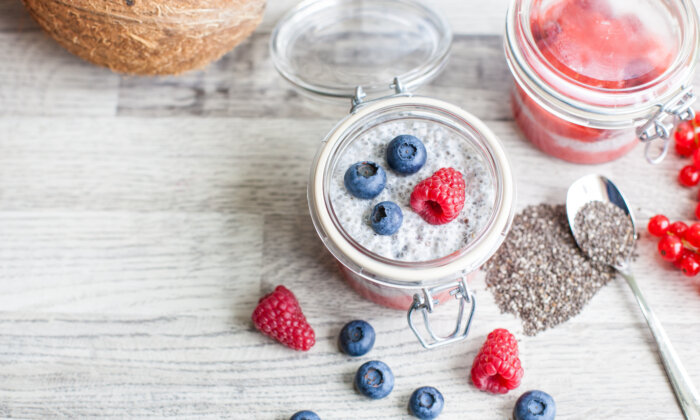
(596, 187)
(599, 188)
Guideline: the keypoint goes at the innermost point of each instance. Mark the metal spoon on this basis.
(599, 188)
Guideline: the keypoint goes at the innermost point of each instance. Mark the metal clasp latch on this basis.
(660, 125)
(360, 95)
(426, 303)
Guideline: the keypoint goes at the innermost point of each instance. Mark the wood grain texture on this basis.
(142, 218)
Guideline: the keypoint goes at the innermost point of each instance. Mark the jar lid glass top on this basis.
(329, 47)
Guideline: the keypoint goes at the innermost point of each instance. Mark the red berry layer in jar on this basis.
(599, 44)
(564, 140)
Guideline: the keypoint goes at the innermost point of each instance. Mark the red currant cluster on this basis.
(687, 137)
(679, 243)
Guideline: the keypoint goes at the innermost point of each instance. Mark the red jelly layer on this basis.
(592, 42)
(567, 141)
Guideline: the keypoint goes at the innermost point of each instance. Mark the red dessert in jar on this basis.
(597, 53)
(598, 45)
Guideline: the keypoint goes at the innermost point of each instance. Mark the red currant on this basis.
(685, 138)
(670, 247)
(696, 120)
(684, 253)
(678, 229)
(689, 176)
(696, 158)
(658, 225)
(690, 264)
(692, 235)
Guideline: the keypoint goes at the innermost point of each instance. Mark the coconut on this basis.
(148, 36)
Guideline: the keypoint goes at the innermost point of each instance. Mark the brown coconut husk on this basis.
(148, 37)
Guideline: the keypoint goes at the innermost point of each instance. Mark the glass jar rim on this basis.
(641, 101)
(400, 273)
(309, 14)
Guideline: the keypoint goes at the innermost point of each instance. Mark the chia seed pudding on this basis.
(416, 240)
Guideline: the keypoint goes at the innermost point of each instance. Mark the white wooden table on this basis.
(142, 218)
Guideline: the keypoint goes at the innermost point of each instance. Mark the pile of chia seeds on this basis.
(540, 274)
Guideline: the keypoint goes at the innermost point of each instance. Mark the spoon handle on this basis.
(683, 387)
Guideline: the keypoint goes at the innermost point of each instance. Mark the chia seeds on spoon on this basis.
(607, 236)
(540, 274)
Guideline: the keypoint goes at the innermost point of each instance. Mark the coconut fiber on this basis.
(148, 36)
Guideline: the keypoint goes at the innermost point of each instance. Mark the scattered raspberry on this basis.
(278, 315)
(440, 198)
(497, 367)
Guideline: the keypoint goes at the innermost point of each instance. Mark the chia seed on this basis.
(539, 273)
(605, 232)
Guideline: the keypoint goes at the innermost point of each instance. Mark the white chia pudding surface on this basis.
(416, 240)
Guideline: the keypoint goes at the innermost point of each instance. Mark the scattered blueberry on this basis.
(386, 218)
(305, 415)
(374, 379)
(406, 154)
(356, 338)
(365, 179)
(426, 403)
(535, 405)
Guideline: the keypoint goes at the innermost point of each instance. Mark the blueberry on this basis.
(356, 338)
(374, 379)
(535, 405)
(365, 179)
(406, 154)
(426, 403)
(305, 415)
(386, 218)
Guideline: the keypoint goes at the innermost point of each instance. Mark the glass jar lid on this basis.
(330, 47)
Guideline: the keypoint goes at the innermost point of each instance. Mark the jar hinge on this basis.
(660, 125)
(359, 98)
(426, 303)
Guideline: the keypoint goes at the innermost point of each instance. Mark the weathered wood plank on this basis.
(129, 263)
(39, 78)
(142, 218)
(245, 84)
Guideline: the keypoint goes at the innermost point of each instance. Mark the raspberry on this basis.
(278, 315)
(497, 368)
(440, 198)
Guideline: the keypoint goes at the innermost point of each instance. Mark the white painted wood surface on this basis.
(142, 218)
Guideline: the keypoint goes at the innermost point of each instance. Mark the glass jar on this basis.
(594, 77)
(347, 49)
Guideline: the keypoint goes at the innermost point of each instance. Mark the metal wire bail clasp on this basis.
(359, 98)
(660, 125)
(426, 303)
